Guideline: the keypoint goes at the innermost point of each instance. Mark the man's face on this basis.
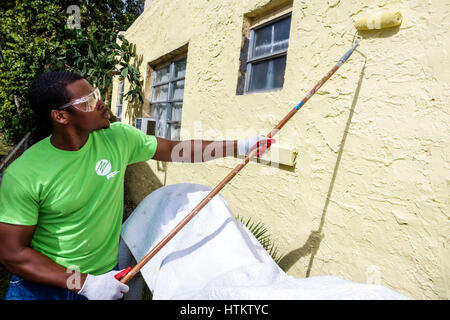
(93, 120)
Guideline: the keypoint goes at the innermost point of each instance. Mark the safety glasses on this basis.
(87, 103)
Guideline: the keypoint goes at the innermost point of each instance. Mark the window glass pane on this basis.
(262, 41)
(162, 75)
(154, 111)
(279, 65)
(267, 74)
(178, 89)
(174, 131)
(281, 34)
(160, 93)
(162, 111)
(180, 69)
(161, 129)
(258, 75)
(176, 111)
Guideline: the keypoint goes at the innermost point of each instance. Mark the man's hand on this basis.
(103, 287)
(260, 142)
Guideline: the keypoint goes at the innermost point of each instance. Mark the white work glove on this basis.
(261, 142)
(103, 287)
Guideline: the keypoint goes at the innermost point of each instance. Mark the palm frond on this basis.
(261, 233)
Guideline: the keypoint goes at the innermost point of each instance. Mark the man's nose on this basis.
(100, 105)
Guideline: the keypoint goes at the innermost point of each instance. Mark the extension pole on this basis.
(233, 173)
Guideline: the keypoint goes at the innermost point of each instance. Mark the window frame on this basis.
(269, 56)
(171, 83)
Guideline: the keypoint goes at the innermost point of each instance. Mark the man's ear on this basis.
(60, 116)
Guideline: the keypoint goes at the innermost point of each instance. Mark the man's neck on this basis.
(69, 140)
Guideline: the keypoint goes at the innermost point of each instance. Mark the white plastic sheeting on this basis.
(216, 257)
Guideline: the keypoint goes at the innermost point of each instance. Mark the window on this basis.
(266, 60)
(167, 99)
(119, 105)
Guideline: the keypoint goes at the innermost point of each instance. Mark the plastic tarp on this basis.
(215, 257)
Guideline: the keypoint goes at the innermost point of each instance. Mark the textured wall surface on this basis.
(368, 197)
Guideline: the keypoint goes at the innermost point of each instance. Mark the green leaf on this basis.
(90, 54)
(124, 72)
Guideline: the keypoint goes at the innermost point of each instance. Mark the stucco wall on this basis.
(368, 197)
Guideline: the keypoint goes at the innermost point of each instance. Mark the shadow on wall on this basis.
(140, 181)
(312, 244)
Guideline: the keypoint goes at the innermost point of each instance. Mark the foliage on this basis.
(34, 38)
(28, 32)
(96, 55)
(261, 233)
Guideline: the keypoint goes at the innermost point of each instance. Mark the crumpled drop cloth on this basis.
(215, 257)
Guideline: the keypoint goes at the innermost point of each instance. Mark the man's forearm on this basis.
(203, 150)
(36, 267)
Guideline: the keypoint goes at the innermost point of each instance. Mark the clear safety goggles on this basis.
(87, 103)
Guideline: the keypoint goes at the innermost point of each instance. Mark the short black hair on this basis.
(48, 92)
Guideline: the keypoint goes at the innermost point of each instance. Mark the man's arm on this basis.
(205, 150)
(18, 258)
(194, 150)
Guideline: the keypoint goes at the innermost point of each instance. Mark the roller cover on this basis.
(379, 20)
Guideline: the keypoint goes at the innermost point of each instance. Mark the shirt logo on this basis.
(103, 168)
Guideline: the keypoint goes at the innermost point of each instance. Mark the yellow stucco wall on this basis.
(368, 197)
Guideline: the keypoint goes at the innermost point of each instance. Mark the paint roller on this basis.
(379, 20)
(375, 21)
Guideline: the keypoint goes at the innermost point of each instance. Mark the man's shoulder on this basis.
(119, 127)
(124, 130)
(33, 154)
(125, 126)
(28, 163)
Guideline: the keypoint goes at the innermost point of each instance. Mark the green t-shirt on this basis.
(75, 198)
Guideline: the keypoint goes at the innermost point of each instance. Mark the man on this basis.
(61, 202)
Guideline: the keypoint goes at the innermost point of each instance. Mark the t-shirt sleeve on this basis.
(141, 147)
(17, 204)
